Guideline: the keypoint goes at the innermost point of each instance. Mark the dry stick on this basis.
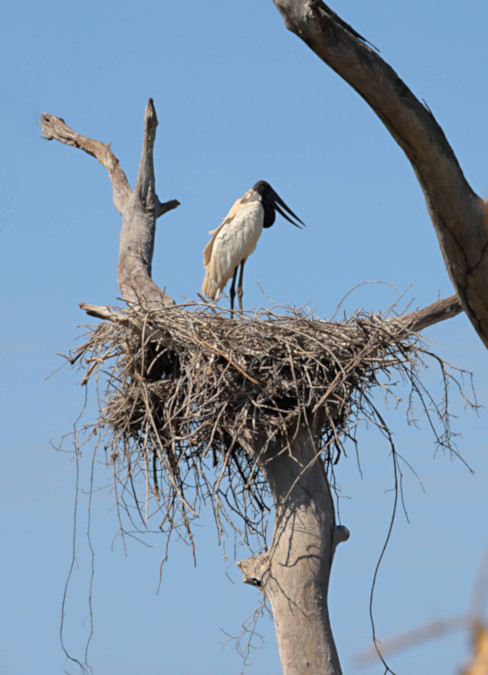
(216, 350)
(103, 312)
(159, 444)
(352, 364)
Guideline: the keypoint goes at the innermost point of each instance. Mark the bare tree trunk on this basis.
(459, 216)
(294, 573)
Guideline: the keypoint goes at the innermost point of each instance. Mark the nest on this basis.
(184, 384)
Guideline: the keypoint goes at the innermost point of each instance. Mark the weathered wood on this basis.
(459, 216)
(294, 572)
(430, 315)
(55, 128)
(140, 208)
(101, 312)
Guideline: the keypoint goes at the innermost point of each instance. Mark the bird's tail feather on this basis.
(210, 288)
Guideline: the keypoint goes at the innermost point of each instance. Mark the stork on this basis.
(236, 238)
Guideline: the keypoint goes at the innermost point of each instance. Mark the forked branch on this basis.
(139, 208)
(459, 216)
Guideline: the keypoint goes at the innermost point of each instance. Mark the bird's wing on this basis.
(207, 251)
(231, 245)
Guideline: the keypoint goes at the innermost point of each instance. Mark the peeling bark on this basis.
(459, 216)
(139, 208)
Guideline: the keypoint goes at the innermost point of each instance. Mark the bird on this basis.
(236, 238)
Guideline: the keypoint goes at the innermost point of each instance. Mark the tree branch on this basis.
(459, 216)
(164, 207)
(139, 208)
(146, 181)
(55, 128)
(101, 312)
(430, 315)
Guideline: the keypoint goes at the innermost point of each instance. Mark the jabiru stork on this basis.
(236, 238)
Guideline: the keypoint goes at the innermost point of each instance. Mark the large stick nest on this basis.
(185, 384)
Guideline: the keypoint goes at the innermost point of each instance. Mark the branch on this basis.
(162, 208)
(430, 315)
(459, 216)
(55, 128)
(101, 312)
(139, 208)
(146, 181)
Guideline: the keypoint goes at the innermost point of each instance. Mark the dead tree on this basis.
(459, 215)
(267, 401)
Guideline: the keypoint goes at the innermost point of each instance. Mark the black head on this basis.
(272, 202)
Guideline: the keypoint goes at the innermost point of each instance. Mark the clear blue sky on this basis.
(238, 99)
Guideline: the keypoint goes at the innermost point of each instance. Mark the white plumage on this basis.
(232, 243)
(236, 238)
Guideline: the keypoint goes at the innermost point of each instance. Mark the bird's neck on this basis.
(269, 215)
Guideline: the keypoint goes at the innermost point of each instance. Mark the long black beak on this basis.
(281, 207)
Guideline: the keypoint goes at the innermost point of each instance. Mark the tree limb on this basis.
(459, 216)
(430, 315)
(140, 208)
(101, 312)
(56, 128)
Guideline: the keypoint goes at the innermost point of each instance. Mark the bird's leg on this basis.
(240, 292)
(233, 293)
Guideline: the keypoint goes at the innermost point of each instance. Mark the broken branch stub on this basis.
(139, 208)
(459, 215)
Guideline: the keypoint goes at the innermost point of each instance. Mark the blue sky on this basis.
(238, 99)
